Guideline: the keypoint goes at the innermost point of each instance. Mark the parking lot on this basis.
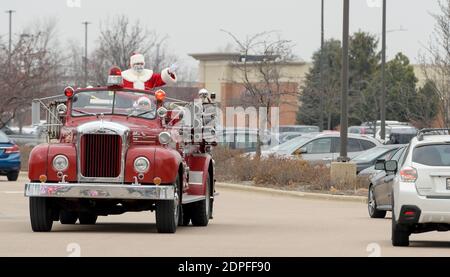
(245, 224)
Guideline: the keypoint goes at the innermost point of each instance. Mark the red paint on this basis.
(199, 163)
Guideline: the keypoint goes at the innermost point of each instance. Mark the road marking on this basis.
(13, 192)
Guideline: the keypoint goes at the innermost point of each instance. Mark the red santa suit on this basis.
(145, 78)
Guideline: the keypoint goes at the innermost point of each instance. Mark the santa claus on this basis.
(140, 78)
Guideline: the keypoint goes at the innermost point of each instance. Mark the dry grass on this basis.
(24, 155)
(280, 173)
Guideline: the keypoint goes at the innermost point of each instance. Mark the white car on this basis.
(421, 186)
(321, 148)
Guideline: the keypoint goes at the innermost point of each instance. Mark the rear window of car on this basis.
(367, 144)
(432, 155)
(3, 138)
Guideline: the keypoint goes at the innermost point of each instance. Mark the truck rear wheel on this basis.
(88, 218)
(200, 210)
(41, 214)
(66, 217)
(168, 212)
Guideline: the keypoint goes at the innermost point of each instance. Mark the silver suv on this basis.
(421, 186)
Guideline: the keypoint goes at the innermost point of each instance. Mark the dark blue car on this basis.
(9, 158)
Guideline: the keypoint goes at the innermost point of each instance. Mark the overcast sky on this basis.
(194, 25)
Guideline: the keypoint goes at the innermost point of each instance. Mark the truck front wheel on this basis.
(41, 214)
(168, 212)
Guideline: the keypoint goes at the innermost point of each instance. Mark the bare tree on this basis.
(436, 59)
(262, 73)
(32, 70)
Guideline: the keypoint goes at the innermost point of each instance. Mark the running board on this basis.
(194, 198)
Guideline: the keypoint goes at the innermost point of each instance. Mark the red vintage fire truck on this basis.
(113, 150)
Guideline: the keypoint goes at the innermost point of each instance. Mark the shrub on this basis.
(276, 172)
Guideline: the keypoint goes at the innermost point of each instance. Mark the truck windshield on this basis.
(134, 104)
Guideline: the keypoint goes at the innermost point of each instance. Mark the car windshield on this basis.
(3, 138)
(129, 103)
(432, 155)
(290, 145)
(371, 154)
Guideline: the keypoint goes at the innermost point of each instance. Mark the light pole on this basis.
(86, 23)
(321, 86)
(344, 93)
(10, 12)
(383, 75)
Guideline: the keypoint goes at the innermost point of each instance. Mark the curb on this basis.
(297, 194)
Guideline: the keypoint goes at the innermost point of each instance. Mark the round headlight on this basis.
(60, 163)
(141, 164)
(164, 138)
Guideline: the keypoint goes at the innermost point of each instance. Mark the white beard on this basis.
(138, 79)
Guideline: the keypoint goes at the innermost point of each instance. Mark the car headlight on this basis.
(164, 138)
(60, 163)
(141, 164)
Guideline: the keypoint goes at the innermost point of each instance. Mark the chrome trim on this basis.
(99, 191)
(102, 127)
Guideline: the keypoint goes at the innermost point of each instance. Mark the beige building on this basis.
(221, 73)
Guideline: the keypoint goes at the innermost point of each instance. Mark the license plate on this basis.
(448, 184)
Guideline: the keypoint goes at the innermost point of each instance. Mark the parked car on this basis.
(397, 134)
(322, 147)
(421, 186)
(380, 188)
(244, 139)
(298, 128)
(371, 171)
(368, 158)
(9, 158)
(361, 130)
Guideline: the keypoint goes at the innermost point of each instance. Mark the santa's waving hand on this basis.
(140, 78)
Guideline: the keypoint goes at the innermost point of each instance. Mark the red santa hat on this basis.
(137, 58)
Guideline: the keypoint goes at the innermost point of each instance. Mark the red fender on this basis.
(198, 162)
(68, 150)
(37, 162)
(166, 164)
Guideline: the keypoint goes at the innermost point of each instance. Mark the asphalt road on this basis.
(245, 224)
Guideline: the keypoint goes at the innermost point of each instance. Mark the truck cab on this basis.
(113, 150)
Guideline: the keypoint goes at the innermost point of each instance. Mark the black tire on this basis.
(186, 215)
(200, 210)
(168, 212)
(372, 205)
(87, 218)
(41, 214)
(400, 233)
(13, 176)
(66, 217)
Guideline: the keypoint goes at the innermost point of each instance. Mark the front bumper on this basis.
(99, 191)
